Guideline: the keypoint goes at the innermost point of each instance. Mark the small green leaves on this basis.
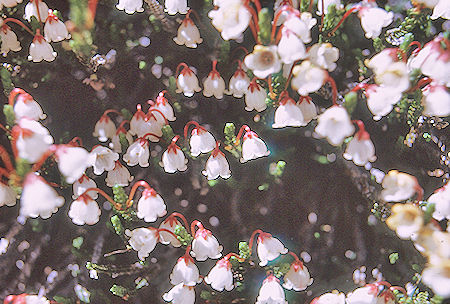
(281, 269)
(120, 291)
(351, 100)
(8, 110)
(119, 194)
(117, 224)
(126, 114)
(5, 76)
(167, 133)
(77, 242)
(265, 25)
(183, 236)
(277, 169)
(82, 293)
(244, 250)
(393, 257)
(123, 141)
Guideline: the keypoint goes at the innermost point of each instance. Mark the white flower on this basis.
(139, 123)
(406, 220)
(150, 206)
(335, 125)
(220, 277)
(297, 278)
(301, 26)
(436, 100)
(231, 19)
(239, 83)
(9, 3)
(188, 34)
(398, 186)
(290, 47)
(9, 40)
(442, 9)
(38, 198)
(436, 276)
(36, 8)
(185, 271)
(269, 248)
(180, 294)
(278, 6)
(174, 6)
(32, 139)
(201, 141)
(163, 105)
(381, 100)
(205, 245)
(54, 29)
(173, 159)
(137, 153)
(373, 19)
(441, 200)
(115, 140)
(104, 128)
(73, 161)
(255, 97)
(324, 55)
(118, 176)
(330, 298)
(214, 84)
(130, 6)
(82, 184)
(217, 165)
(271, 292)
(308, 78)
(84, 210)
(187, 82)
(143, 240)
(40, 49)
(383, 60)
(155, 121)
(360, 149)
(433, 243)
(394, 77)
(7, 195)
(326, 4)
(364, 295)
(26, 106)
(105, 159)
(288, 114)
(26, 299)
(308, 109)
(170, 223)
(263, 61)
(253, 147)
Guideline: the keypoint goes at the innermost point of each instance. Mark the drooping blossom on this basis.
(54, 29)
(263, 61)
(185, 271)
(180, 294)
(269, 248)
(381, 100)
(82, 184)
(40, 49)
(187, 81)
(150, 206)
(220, 276)
(217, 165)
(8, 39)
(205, 245)
(163, 105)
(84, 210)
(118, 176)
(105, 159)
(170, 223)
(214, 83)
(176, 6)
(373, 19)
(173, 158)
(335, 125)
(104, 128)
(143, 240)
(26, 106)
(188, 34)
(307, 78)
(255, 97)
(441, 200)
(138, 153)
(360, 149)
(8, 196)
(201, 141)
(406, 220)
(130, 6)
(436, 100)
(73, 161)
(271, 292)
(36, 8)
(231, 18)
(324, 55)
(32, 140)
(297, 278)
(252, 147)
(398, 186)
(288, 114)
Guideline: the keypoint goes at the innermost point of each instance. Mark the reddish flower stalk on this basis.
(257, 4)
(194, 224)
(51, 150)
(19, 23)
(311, 2)
(136, 185)
(401, 289)
(297, 260)
(36, 2)
(242, 48)
(149, 113)
(255, 29)
(421, 83)
(112, 111)
(17, 91)
(4, 172)
(76, 141)
(188, 124)
(185, 68)
(362, 133)
(228, 256)
(181, 216)
(241, 130)
(416, 43)
(252, 237)
(359, 86)
(168, 231)
(149, 134)
(331, 81)
(173, 144)
(6, 159)
(105, 195)
(347, 13)
(285, 8)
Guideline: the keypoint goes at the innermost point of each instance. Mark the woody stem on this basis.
(105, 195)
(194, 224)
(136, 185)
(252, 237)
(6, 159)
(331, 81)
(181, 216)
(168, 231)
(19, 23)
(347, 13)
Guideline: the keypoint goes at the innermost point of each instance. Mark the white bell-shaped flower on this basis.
(373, 19)
(82, 184)
(308, 108)
(308, 78)
(220, 277)
(84, 210)
(214, 83)
(188, 34)
(137, 153)
(32, 139)
(143, 240)
(118, 176)
(25, 106)
(271, 292)
(40, 49)
(239, 83)
(170, 223)
(398, 186)
(360, 149)
(252, 147)
(8, 196)
(441, 200)
(8, 39)
(130, 6)
(115, 140)
(263, 61)
(217, 165)
(173, 158)
(150, 206)
(297, 278)
(104, 128)
(255, 97)
(163, 105)
(176, 6)
(435, 276)
(280, 10)
(335, 125)
(26, 298)
(185, 271)
(324, 55)
(36, 8)
(155, 120)
(381, 61)
(381, 100)
(269, 248)
(73, 161)
(105, 159)
(301, 26)
(231, 19)
(290, 47)
(330, 298)
(365, 295)
(389, 71)
(38, 198)
(205, 245)
(436, 100)
(138, 123)
(201, 140)
(54, 29)
(288, 114)
(326, 4)
(180, 294)
(442, 9)
(187, 81)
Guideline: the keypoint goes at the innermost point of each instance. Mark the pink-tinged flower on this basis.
(239, 83)
(214, 83)
(26, 298)
(308, 78)
(389, 71)
(308, 109)
(185, 271)
(176, 6)
(326, 4)
(442, 9)
(398, 186)
(360, 149)
(252, 146)
(231, 18)
(170, 223)
(441, 200)
(38, 198)
(263, 61)
(54, 29)
(173, 158)
(8, 196)
(73, 161)
(143, 240)
(217, 165)
(220, 277)
(406, 220)
(104, 128)
(188, 33)
(330, 298)
(26, 106)
(118, 176)
(381, 61)
(297, 278)
(40, 49)
(436, 276)
(187, 81)
(335, 125)
(180, 294)
(150, 206)
(255, 97)
(9, 3)
(271, 292)
(32, 139)
(84, 210)
(36, 8)
(381, 100)
(163, 105)
(369, 295)
(324, 55)
(201, 141)
(82, 184)
(285, 14)
(205, 245)
(288, 114)
(269, 248)
(137, 153)
(436, 100)
(373, 19)
(105, 159)
(130, 6)
(290, 47)
(8, 39)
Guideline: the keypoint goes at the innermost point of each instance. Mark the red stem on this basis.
(37, 10)
(347, 13)
(181, 64)
(422, 82)
(237, 49)
(401, 289)
(419, 191)
(123, 123)
(416, 43)
(15, 92)
(103, 193)
(241, 130)
(149, 134)
(331, 81)
(181, 216)
(142, 183)
(4, 172)
(254, 19)
(257, 4)
(322, 17)
(275, 20)
(194, 224)
(252, 237)
(168, 231)
(112, 111)
(188, 124)
(311, 2)
(44, 157)
(156, 110)
(297, 260)
(359, 86)
(384, 283)
(19, 23)
(76, 141)
(6, 159)
(228, 256)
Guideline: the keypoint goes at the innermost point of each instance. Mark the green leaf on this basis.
(7, 83)
(35, 24)
(82, 293)
(8, 110)
(77, 242)
(244, 250)
(167, 133)
(119, 291)
(63, 300)
(393, 257)
(265, 25)
(117, 224)
(119, 194)
(126, 114)
(182, 235)
(172, 86)
(123, 141)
